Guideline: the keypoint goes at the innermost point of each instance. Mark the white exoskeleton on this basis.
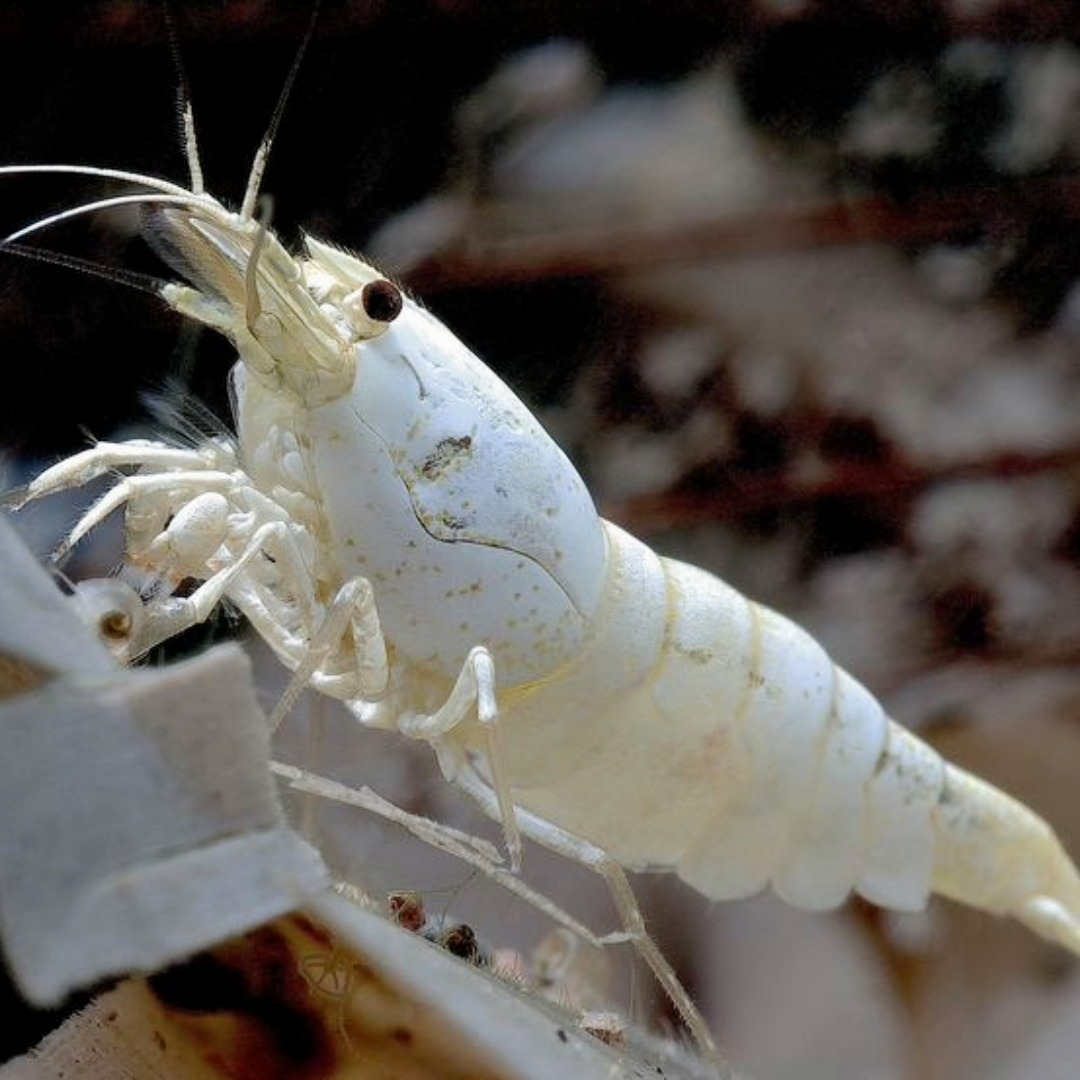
(407, 538)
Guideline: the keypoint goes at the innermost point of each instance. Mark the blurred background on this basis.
(795, 285)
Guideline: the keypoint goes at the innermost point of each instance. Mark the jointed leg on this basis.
(471, 850)
(133, 486)
(352, 608)
(89, 464)
(173, 615)
(475, 685)
(459, 771)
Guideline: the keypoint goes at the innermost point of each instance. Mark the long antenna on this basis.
(113, 201)
(183, 102)
(258, 166)
(117, 275)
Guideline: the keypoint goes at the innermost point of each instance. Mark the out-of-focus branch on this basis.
(748, 493)
(487, 256)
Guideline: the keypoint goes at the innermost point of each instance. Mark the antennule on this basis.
(91, 207)
(183, 103)
(262, 155)
(117, 275)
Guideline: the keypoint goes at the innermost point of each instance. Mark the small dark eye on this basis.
(382, 300)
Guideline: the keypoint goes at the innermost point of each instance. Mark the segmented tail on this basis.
(994, 853)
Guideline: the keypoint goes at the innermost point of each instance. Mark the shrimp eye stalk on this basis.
(381, 300)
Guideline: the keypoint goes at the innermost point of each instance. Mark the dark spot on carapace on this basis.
(402, 1036)
(563, 1037)
(382, 300)
(447, 451)
(452, 522)
(697, 656)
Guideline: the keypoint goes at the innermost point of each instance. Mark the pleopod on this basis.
(407, 538)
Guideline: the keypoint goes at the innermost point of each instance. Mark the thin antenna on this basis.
(183, 102)
(142, 199)
(117, 275)
(258, 166)
(132, 278)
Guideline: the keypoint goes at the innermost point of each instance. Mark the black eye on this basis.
(382, 300)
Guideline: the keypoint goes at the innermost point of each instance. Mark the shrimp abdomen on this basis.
(731, 749)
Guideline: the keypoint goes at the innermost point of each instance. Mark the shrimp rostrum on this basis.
(408, 539)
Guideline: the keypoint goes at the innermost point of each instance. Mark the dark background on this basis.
(944, 572)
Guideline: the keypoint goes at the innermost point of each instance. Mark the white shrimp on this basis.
(403, 533)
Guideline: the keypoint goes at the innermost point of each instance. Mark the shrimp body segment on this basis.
(437, 563)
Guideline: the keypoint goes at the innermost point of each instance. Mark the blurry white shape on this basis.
(434, 224)
(895, 119)
(140, 822)
(966, 516)
(962, 274)
(632, 462)
(673, 363)
(646, 154)
(766, 378)
(38, 628)
(530, 88)
(1044, 92)
(532, 85)
(975, 60)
